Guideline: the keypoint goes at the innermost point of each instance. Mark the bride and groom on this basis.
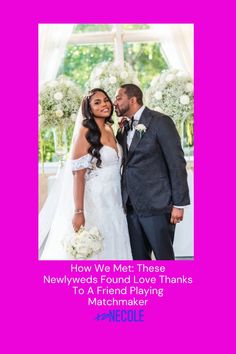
(132, 187)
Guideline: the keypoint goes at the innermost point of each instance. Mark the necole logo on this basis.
(122, 316)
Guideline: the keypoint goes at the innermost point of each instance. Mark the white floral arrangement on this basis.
(59, 102)
(171, 93)
(109, 76)
(84, 243)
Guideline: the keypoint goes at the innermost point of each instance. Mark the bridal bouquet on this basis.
(172, 93)
(109, 76)
(59, 102)
(84, 243)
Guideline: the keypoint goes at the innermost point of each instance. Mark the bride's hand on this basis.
(78, 221)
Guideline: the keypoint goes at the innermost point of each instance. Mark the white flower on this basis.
(176, 100)
(59, 100)
(97, 83)
(158, 109)
(98, 71)
(181, 74)
(112, 80)
(158, 95)
(169, 78)
(41, 119)
(124, 75)
(154, 81)
(161, 79)
(184, 99)
(83, 244)
(96, 247)
(94, 231)
(58, 96)
(106, 82)
(68, 83)
(189, 87)
(59, 113)
(141, 128)
(52, 83)
(109, 76)
(73, 117)
(40, 109)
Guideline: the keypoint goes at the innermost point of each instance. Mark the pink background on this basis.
(188, 319)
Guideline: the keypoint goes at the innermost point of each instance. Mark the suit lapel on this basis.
(122, 139)
(124, 146)
(145, 119)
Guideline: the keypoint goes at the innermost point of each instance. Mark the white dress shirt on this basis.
(130, 134)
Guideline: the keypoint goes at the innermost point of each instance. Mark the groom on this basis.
(154, 179)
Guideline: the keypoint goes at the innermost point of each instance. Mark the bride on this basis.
(96, 163)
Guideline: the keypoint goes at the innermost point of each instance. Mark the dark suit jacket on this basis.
(154, 173)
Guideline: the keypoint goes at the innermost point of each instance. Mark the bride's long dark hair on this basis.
(93, 135)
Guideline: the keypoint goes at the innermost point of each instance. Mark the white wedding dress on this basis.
(102, 208)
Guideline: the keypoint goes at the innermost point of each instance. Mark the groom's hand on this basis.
(177, 215)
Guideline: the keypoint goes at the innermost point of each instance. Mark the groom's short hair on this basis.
(133, 90)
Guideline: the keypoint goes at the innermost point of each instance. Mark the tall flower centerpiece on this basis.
(59, 102)
(171, 93)
(109, 76)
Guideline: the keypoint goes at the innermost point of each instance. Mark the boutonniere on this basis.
(141, 129)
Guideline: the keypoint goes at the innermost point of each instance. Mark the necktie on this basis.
(129, 124)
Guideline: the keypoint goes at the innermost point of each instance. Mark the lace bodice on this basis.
(109, 157)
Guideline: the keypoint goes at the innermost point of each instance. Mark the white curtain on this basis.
(53, 39)
(177, 45)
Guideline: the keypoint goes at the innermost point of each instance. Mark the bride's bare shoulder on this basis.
(82, 132)
(81, 144)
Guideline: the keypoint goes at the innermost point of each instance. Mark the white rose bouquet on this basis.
(172, 93)
(109, 76)
(84, 243)
(59, 102)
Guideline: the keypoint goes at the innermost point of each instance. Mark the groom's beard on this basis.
(122, 111)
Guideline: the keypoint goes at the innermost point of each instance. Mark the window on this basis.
(92, 28)
(146, 59)
(81, 59)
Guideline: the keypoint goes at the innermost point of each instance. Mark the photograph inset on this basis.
(116, 142)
